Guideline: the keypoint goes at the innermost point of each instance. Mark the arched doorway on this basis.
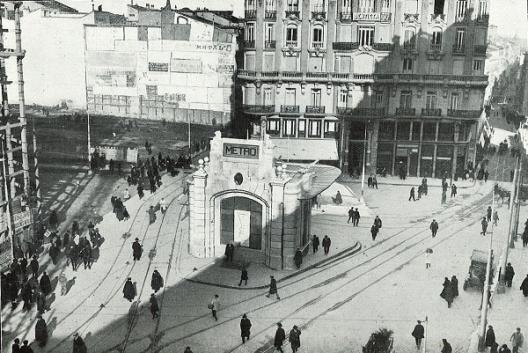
(241, 222)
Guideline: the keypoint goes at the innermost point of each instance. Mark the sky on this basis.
(509, 15)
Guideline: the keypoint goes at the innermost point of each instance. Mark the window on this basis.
(460, 11)
(477, 65)
(291, 35)
(406, 99)
(250, 32)
(407, 65)
(342, 100)
(270, 32)
(302, 128)
(289, 98)
(273, 126)
(288, 127)
(270, 5)
(430, 102)
(318, 6)
(453, 103)
(251, 4)
(385, 6)
(459, 38)
(317, 37)
(343, 64)
(292, 5)
(439, 7)
(268, 96)
(410, 39)
(436, 40)
(483, 8)
(330, 129)
(346, 6)
(366, 5)
(316, 97)
(366, 36)
(314, 128)
(378, 99)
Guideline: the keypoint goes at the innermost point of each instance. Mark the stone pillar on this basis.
(200, 244)
(263, 127)
(373, 147)
(275, 252)
(291, 224)
(455, 152)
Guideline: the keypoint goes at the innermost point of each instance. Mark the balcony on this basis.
(250, 14)
(345, 45)
(259, 109)
(345, 16)
(318, 15)
(360, 112)
(409, 46)
(249, 44)
(440, 17)
(270, 44)
(317, 75)
(383, 46)
(480, 49)
(270, 15)
(292, 13)
(405, 111)
(431, 112)
(469, 114)
(483, 18)
(290, 109)
(458, 50)
(292, 43)
(317, 45)
(292, 74)
(436, 47)
(269, 74)
(314, 109)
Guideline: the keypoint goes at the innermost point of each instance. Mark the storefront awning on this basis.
(323, 177)
(305, 150)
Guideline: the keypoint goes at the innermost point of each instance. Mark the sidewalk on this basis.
(411, 181)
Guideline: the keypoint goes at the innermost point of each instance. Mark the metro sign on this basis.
(241, 151)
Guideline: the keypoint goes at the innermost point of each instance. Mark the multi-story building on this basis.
(399, 82)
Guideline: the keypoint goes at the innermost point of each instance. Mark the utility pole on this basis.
(425, 335)
(363, 164)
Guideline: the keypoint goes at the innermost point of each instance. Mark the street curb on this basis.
(402, 184)
(351, 250)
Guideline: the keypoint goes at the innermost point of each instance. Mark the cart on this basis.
(477, 270)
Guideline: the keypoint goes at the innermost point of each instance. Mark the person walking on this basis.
(152, 211)
(34, 266)
(295, 338)
(418, 334)
(156, 281)
(245, 328)
(525, 238)
(26, 348)
(137, 250)
(495, 218)
(273, 288)
(351, 215)
(27, 296)
(490, 337)
(154, 306)
(243, 276)
(78, 344)
(63, 282)
(434, 228)
(326, 244)
(517, 340)
(446, 347)
(447, 292)
(454, 286)
(428, 255)
(315, 243)
(129, 290)
(411, 194)
(280, 336)
(488, 214)
(215, 306)
(374, 231)
(45, 283)
(163, 205)
(484, 224)
(375, 182)
(377, 222)
(15, 347)
(356, 218)
(508, 274)
(298, 258)
(524, 286)
(229, 252)
(453, 190)
(504, 349)
(41, 331)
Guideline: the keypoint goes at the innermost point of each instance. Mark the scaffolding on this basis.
(17, 196)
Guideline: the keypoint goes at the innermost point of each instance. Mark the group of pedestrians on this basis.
(375, 228)
(516, 339)
(450, 290)
(422, 190)
(372, 181)
(119, 208)
(354, 216)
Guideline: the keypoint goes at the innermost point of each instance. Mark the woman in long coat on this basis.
(245, 328)
(454, 286)
(45, 284)
(41, 332)
(152, 215)
(524, 286)
(129, 291)
(156, 282)
(78, 344)
(295, 338)
(280, 336)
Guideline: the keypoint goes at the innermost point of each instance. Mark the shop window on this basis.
(288, 128)
(301, 128)
(415, 133)
(386, 130)
(273, 127)
(403, 130)
(314, 128)
(446, 132)
(429, 131)
(330, 129)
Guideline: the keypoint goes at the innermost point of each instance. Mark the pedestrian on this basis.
(525, 237)
(484, 224)
(377, 222)
(129, 290)
(154, 307)
(508, 274)
(428, 255)
(229, 252)
(280, 336)
(163, 205)
(54, 253)
(15, 347)
(34, 266)
(356, 218)
(297, 258)
(188, 350)
(446, 347)
(374, 231)
(369, 181)
(351, 215)
(156, 281)
(488, 214)
(63, 281)
(418, 334)
(45, 283)
(78, 344)
(447, 292)
(214, 305)
(245, 328)
(454, 286)
(504, 349)
(486, 176)
(490, 337)
(338, 199)
(41, 331)
(273, 288)
(86, 254)
(517, 340)
(453, 190)
(411, 194)
(140, 191)
(524, 286)
(23, 268)
(295, 338)
(27, 295)
(152, 214)
(243, 276)
(374, 182)
(137, 250)
(41, 302)
(326, 244)
(26, 348)
(315, 243)
(444, 197)
(66, 240)
(495, 217)
(434, 228)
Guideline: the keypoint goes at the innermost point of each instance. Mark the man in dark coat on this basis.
(156, 282)
(137, 250)
(377, 222)
(41, 302)
(315, 243)
(243, 276)
(15, 347)
(453, 190)
(508, 274)
(295, 338)
(351, 215)
(411, 194)
(524, 286)
(87, 256)
(78, 344)
(434, 228)
(54, 253)
(23, 268)
(245, 328)
(129, 291)
(229, 252)
(41, 331)
(154, 306)
(45, 284)
(26, 348)
(374, 232)
(488, 214)
(490, 337)
(280, 336)
(34, 265)
(418, 334)
(454, 286)
(326, 244)
(356, 217)
(27, 295)
(447, 292)
(273, 288)
(298, 257)
(484, 224)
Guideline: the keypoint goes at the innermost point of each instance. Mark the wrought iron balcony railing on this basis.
(473, 114)
(431, 112)
(314, 109)
(345, 45)
(292, 109)
(250, 14)
(270, 44)
(405, 111)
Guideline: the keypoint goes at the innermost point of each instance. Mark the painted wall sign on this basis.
(163, 67)
(22, 219)
(241, 151)
(186, 65)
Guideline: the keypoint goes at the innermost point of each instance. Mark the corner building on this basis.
(394, 81)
